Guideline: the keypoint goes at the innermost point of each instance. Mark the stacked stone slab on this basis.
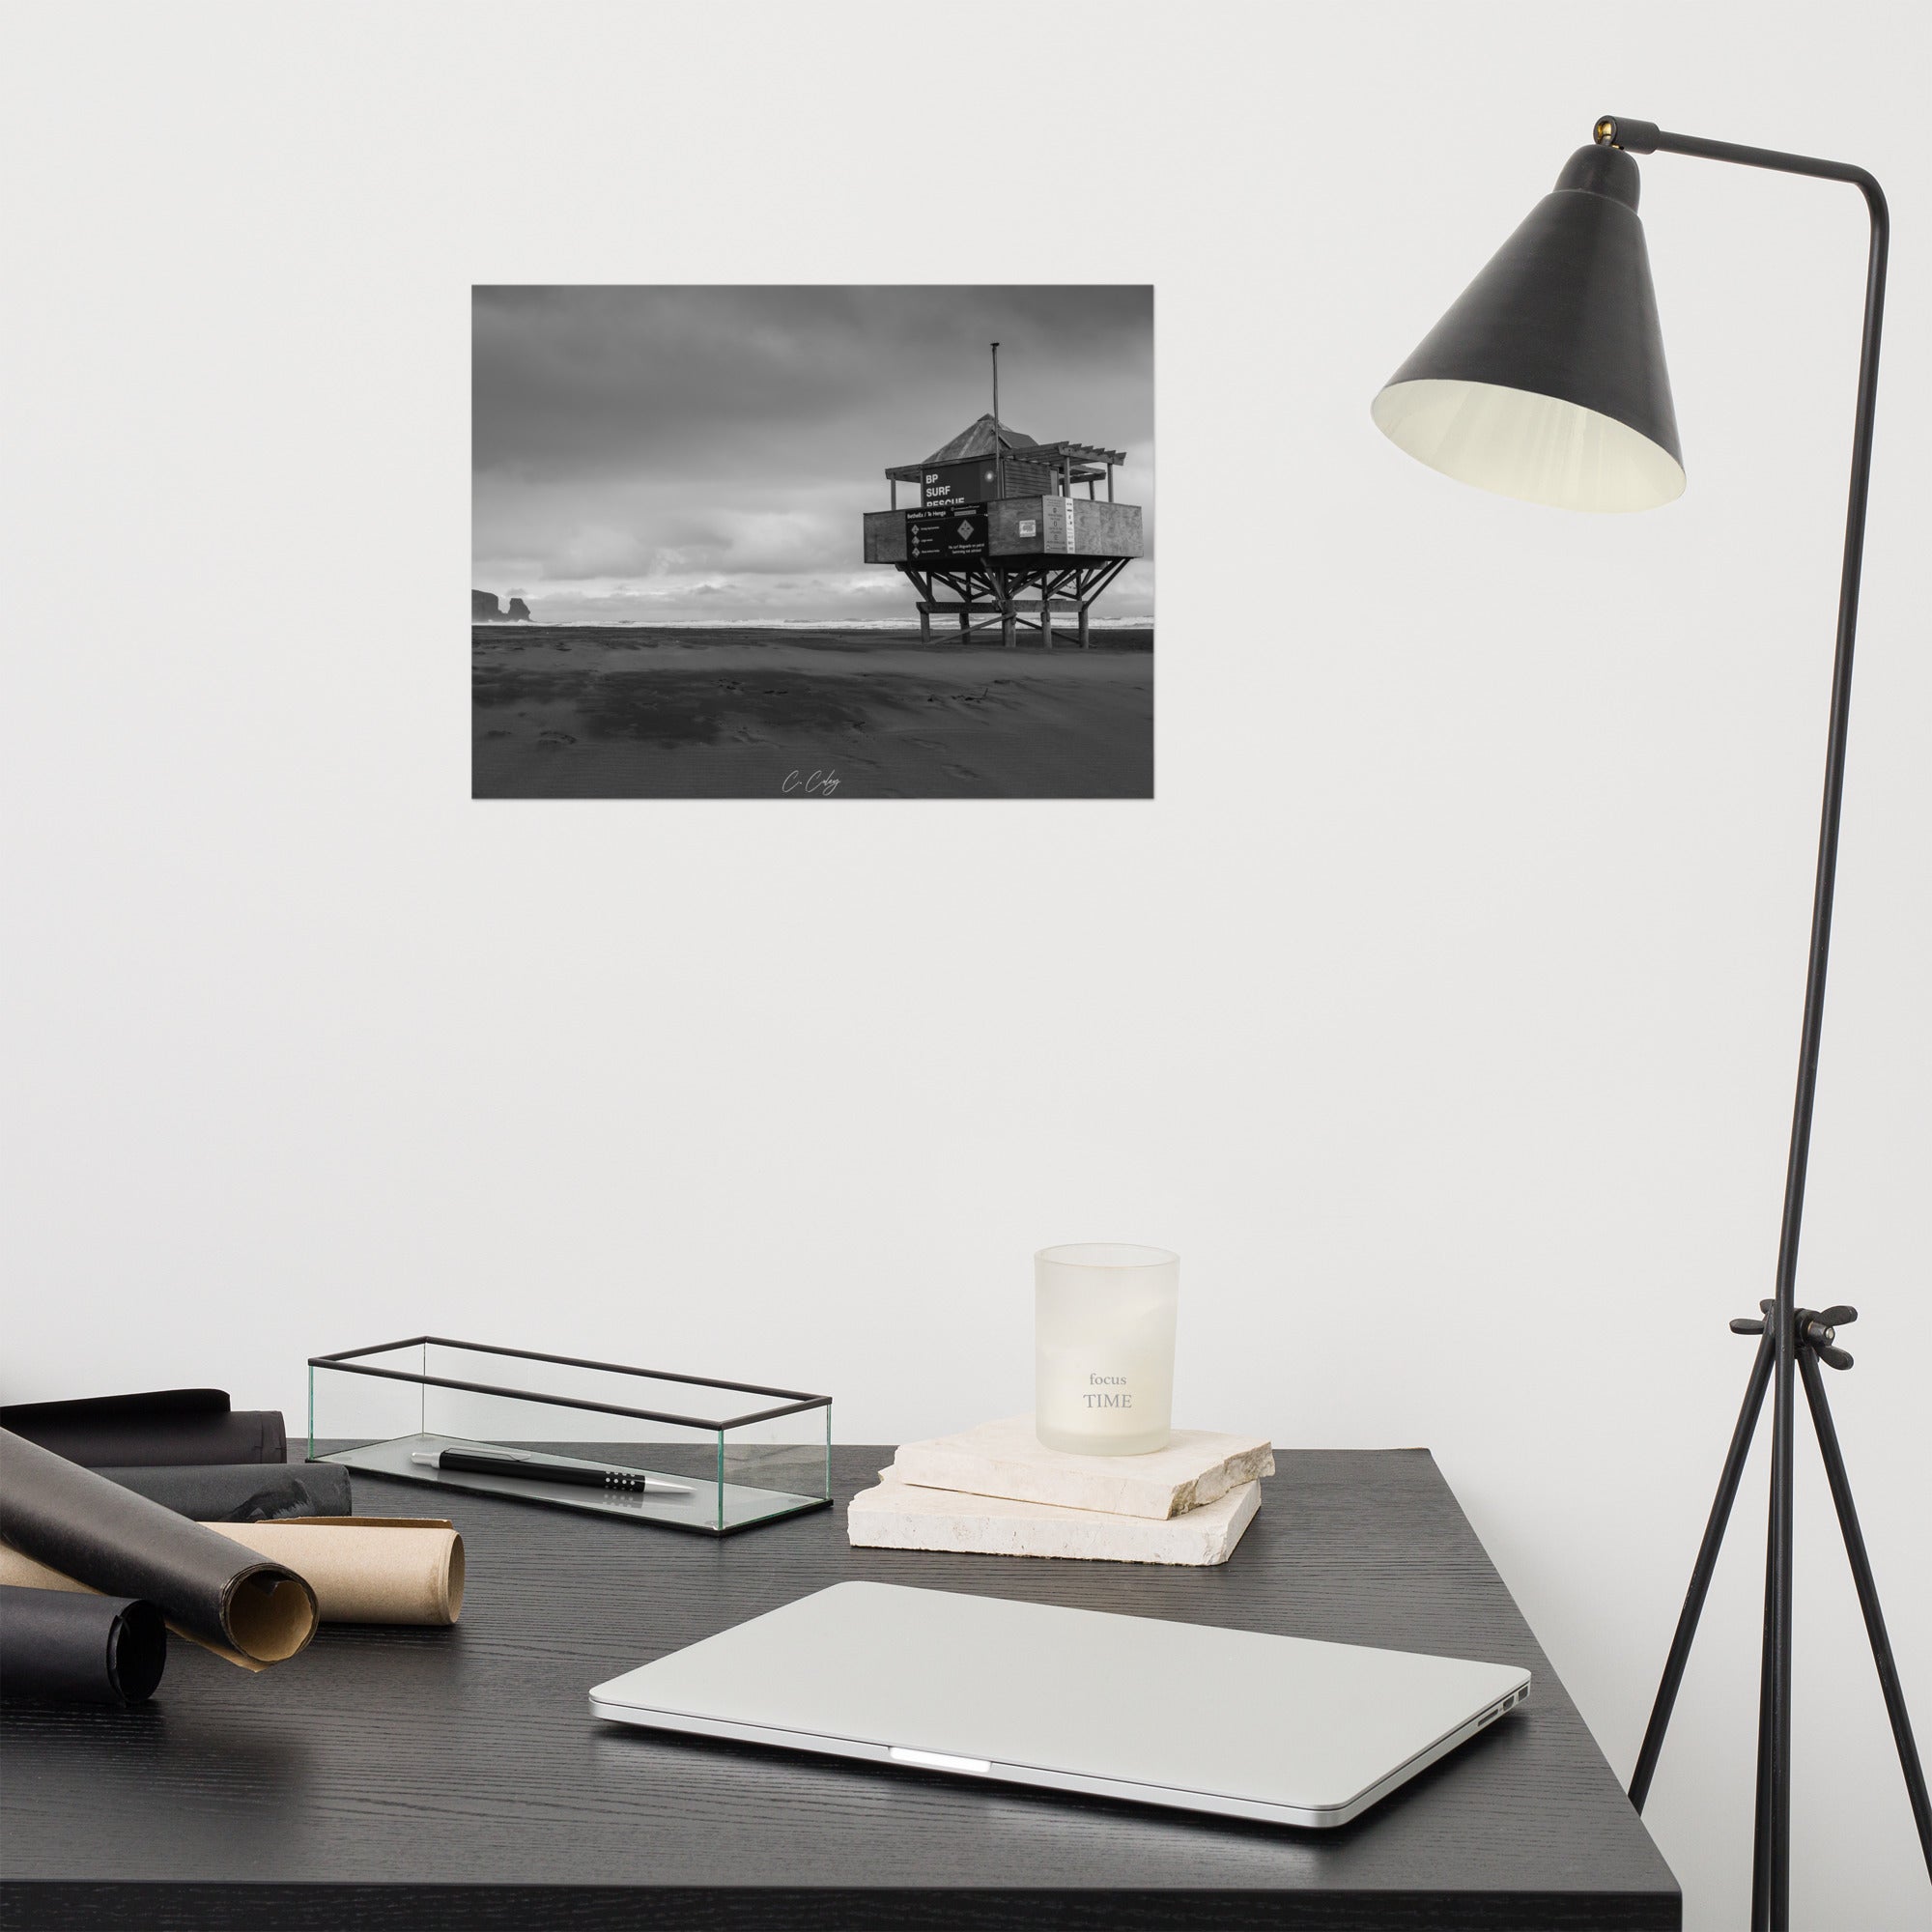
(997, 1490)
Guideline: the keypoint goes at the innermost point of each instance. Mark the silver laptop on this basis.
(1279, 1728)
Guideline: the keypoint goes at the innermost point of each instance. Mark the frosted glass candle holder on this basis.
(1103, 1346)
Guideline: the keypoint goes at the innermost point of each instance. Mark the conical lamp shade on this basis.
(1545, 380)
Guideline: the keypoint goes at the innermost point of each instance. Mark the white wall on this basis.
(1441, 1010)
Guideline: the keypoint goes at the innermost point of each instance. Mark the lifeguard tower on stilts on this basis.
(999, 535)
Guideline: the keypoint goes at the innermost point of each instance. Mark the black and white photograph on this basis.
(811, 541)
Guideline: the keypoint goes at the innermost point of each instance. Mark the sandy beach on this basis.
(638, 712)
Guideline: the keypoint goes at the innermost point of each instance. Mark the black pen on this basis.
(532, 1469)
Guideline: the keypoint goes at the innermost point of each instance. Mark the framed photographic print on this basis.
(812, 542)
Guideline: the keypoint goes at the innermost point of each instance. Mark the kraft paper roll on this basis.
(157, 1426)
(242, 1491)
(363, 1569)
(75, 1649)
(88, 1533)
(367, 1570)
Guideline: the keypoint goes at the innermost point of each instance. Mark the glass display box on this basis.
(683, 1452)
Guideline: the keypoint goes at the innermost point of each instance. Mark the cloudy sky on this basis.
(670, 454)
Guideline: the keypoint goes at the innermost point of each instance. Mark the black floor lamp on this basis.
(1547, 381)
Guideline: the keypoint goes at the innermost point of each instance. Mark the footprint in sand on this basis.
(496, 734)
(557, 738)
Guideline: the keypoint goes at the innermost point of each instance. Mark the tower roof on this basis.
(976, 440)
(1080, 461)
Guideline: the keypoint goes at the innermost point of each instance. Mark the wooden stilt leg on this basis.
(1046, 623)
(1086, 627)
(924, 625)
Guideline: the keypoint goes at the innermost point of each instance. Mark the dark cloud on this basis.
(649, 445)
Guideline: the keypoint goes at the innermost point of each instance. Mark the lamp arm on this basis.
(1772, 1890)
(1646, 137)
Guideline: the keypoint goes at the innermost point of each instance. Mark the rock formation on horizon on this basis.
(484, 608)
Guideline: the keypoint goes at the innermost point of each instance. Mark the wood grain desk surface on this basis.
(425, 1778)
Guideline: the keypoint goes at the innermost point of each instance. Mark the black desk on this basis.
(429, 1779)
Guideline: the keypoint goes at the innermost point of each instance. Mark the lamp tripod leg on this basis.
(1701, 1572)
(1774, 1731)
(1763, 1827)
(1868, 1588)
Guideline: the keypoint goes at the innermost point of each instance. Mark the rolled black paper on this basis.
(207, 1586)
(80, 1649)
(242, 1491)
(162, 1426)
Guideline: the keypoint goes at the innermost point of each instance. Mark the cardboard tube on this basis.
(366, 1570)
(363, 1569)
(86, 1532)
(19, 1571)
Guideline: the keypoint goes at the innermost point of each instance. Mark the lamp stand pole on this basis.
(1794, 1339)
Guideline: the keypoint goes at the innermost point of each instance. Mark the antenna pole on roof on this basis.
(999, 481)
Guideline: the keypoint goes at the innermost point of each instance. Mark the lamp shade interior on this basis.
(1518, 443)
(1545, 379)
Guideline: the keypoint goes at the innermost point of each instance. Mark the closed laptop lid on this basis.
(1279, 1722)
